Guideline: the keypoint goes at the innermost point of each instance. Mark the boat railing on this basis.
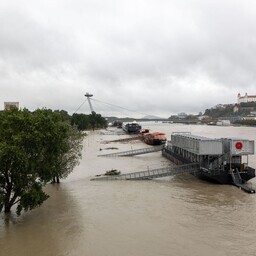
(182, 133)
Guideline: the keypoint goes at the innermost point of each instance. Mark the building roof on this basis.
(248, 96)
(191, 136)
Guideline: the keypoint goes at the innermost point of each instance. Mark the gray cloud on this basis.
(156, 57)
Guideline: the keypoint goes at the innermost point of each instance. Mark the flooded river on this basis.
(179, 216)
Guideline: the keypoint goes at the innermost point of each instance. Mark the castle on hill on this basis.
(246, 98)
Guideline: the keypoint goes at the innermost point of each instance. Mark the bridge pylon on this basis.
(88, 96)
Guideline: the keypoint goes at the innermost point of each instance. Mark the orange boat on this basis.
(154, 138)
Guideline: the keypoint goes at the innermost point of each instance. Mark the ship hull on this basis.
(224, 177)
(154, 142)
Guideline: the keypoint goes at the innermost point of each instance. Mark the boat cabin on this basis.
(223, 153)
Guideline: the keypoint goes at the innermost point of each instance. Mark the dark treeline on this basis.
(246, 122)
(219, 112)
(87, 122)
(84, 122)
(248, 104)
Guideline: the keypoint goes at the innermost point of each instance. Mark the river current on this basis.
(179, 216)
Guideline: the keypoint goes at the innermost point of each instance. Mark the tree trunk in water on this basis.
(7, 207)
(55, 179)
(7, 202)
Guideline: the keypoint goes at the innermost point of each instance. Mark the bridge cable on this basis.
(119, 107)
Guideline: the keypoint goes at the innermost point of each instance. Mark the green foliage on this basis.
(244, 109)
(248, 104)
(67, 152)
(246, 122)
(87, 122)
(226, 111)
(35, 147)
(64, 115)
(81, 121)
(32, 198)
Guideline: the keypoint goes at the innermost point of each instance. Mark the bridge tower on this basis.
(88, 96)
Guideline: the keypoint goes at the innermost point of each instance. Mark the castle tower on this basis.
(238, 98)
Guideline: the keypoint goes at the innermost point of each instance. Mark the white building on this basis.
(250, 117)
(182, 115)
(246, 98)
(223, 123)
(10, 105)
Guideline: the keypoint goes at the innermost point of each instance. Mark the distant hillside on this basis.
(151, 117)
(228, 110)
(220, 111)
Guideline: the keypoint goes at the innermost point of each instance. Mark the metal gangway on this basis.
(125, 139)
(154, 173)
(135, 151)
(112, 132)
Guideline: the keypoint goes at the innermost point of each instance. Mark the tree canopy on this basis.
(86, 122)
(35, 148)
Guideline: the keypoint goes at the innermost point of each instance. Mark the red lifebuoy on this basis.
(239, 145)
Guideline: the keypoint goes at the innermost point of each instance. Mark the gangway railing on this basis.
(126, 139)
(135, 151)
(113, 133)
(237, 181)
(236, 177)
(154, 173)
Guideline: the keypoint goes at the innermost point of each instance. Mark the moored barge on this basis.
(223, 160)
(132, 128)
(154, 138)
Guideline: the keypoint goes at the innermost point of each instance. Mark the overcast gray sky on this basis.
(156, 57)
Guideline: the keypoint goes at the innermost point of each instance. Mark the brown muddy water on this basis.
(180, 215)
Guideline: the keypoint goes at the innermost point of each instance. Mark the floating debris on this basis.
(112, 148)
(112, 172)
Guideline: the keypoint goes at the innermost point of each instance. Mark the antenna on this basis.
(88, 96)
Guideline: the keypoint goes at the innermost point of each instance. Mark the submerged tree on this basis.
(66, 151)
(35, 147)
(19, 185)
